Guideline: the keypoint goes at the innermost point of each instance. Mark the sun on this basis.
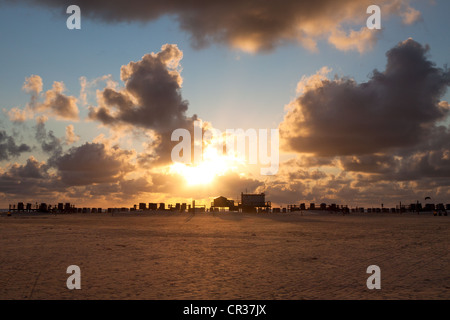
(212, 165)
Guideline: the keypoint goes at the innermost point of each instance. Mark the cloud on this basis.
(349, 189)
(251, 25)
(71, 137)
(55, 104)
(411, 16)
(33, 169)
(369, 163)
(150, 100)
(309, 161)
(59, 104)
(444, 105)
(86, 86)
(396, 108)
(28, 180)
(33, 84)
(282, 193)
(314, 81)
(151, 97)
(93, 163)
(402, 174)
(361, 41)
(121, 193)
(133, 187)
(92, 172)
(387, 138)
(428, 160)
(18, 115)
(9, 148)
(50, 144)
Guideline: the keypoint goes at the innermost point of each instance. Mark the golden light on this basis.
(212, 165)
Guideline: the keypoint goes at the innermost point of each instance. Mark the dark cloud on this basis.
(151, 99)
(32, 169)
(310, 161)
(87, 165)
(123, 192)
(28, 180)
(9, 148)
(92, 172)
(133, 187)
(283, 193)
(428, 160)
(59, 104)
(252, 25)
(92, 163)
(305, 174)
(397, 108)
(50, 144)
(299, 167)
(369, 163)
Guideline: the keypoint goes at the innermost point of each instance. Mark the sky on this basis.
(87, 114)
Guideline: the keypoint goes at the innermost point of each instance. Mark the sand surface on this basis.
(224, 256)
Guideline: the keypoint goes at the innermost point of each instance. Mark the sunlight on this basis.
(212, 165)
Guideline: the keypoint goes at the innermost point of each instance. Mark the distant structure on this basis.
(249, 202)
(197, 207)
(254, 202)
(290, 208)
(43, 207)
(221, 203)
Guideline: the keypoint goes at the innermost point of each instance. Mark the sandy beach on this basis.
(224, 256)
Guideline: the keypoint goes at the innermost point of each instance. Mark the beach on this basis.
(171, 256)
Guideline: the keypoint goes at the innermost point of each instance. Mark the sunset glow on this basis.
(213, 165)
